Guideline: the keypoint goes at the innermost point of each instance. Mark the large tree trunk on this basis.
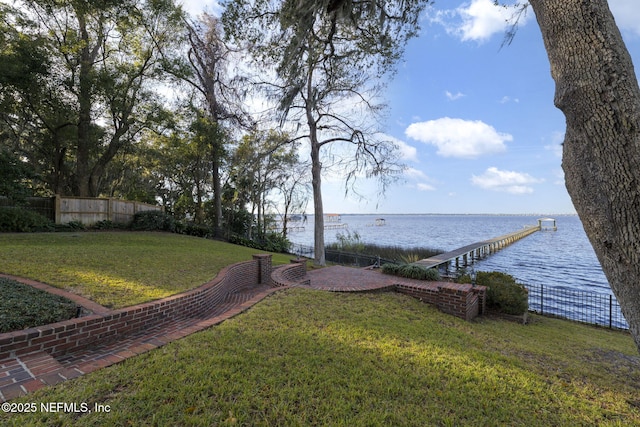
(318, 210)
(597, 90)
(217, 194)
(84, 112)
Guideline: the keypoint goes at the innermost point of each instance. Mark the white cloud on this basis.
(407, 152)
(459, 138)
(425, 187)
(415, 173)
(506, 99)
(453, 97)
(418, 175)
(477, 20)
(507, 181)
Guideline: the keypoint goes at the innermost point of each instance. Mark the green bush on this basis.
(411, 271)
(108, 225)
(196, 230)
(392, 269)
(71, 226)
(153, 221)
(275, 242)
(271, 242)
(504, 294)
(14, 219)
(23, 306)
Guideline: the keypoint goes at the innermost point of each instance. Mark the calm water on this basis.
(556, 260)
(562, 258)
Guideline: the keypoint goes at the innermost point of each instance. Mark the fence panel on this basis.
(581, 306)
(91, 210)
(45, 206)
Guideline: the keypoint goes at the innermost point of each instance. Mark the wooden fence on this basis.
(63, 209)
(89, 210)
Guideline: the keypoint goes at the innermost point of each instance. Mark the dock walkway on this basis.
(476, 250)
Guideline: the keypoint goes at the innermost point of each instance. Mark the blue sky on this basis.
(475, 122)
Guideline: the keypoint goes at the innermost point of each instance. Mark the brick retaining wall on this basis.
(291, 274)
(460, 300)
(59, 338)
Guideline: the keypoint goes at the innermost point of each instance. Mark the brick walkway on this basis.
(19, 376)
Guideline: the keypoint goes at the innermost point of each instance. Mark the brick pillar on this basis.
(264, 268)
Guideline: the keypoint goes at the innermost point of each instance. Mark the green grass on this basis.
(304, 357)
(119, 269)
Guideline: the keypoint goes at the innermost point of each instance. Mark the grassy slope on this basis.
(305, 357)
(119, 269)
(314, 358)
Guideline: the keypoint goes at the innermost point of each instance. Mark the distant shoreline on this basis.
(449, 214)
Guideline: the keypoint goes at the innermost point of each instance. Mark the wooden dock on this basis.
(466, 254)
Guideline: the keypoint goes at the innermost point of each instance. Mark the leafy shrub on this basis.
(271, 242)
(23, 306)
(411, 271)
(152, 221)
(14, 219)
(196, 230)
(236, 239)
(108, 225)
(504, 294)
(392, 269)
(275, 242)
(71, 226)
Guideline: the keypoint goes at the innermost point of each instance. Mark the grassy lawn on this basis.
(119, 269)
(304, 357)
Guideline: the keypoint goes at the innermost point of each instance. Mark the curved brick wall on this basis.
(74, 334)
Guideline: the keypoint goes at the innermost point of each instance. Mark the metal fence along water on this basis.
(581, 306)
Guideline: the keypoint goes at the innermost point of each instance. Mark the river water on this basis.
(562, 259)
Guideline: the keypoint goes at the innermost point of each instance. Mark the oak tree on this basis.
(330, 59)
(597, 90)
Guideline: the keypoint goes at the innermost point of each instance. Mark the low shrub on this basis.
(153, 221)
(275, 242)
(108, 225)
(504, 294)
(14, 219)
(71, 226)
(392, 269)
(197, 230)
(411, 271)
(23, 306)
(271, 242)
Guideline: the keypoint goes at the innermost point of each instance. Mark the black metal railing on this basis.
(581, 306)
